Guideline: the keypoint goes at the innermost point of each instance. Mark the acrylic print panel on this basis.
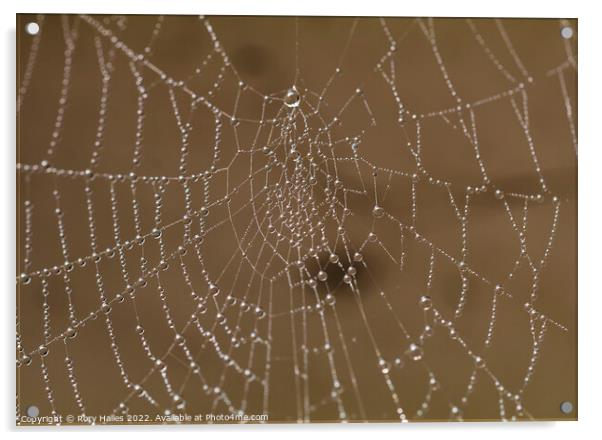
(282, 220)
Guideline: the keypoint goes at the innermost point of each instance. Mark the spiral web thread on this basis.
(297, 211)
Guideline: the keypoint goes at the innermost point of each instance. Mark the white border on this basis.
(590, 164)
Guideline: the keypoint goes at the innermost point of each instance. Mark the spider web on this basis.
(278, 267)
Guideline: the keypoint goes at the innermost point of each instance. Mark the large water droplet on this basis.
(70, 332)
(292, 98)
(378, 212)
(106, 308)
(25, 279)
(425, 302)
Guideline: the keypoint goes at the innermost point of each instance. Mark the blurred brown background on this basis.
(262, 50)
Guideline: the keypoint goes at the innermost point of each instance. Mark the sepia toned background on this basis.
(265, 52)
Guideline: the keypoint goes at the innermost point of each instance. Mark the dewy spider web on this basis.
(278, 267)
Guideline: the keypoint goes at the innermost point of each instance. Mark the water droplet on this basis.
(322, 276)
(259, 313)
(43, 350)
(385, 368)
(25, 279)
(213, 289)
(378, 212)
(106, 308)
(428, 331)
(426, 302)
(499, 194)
(433, 383)
(358, 257)
(479, 362)
(334, 258)
(139, 390)
(347, 279)
(70, 332)
(292, 98)
(415, 352)
(178, 401)
(330, 299)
